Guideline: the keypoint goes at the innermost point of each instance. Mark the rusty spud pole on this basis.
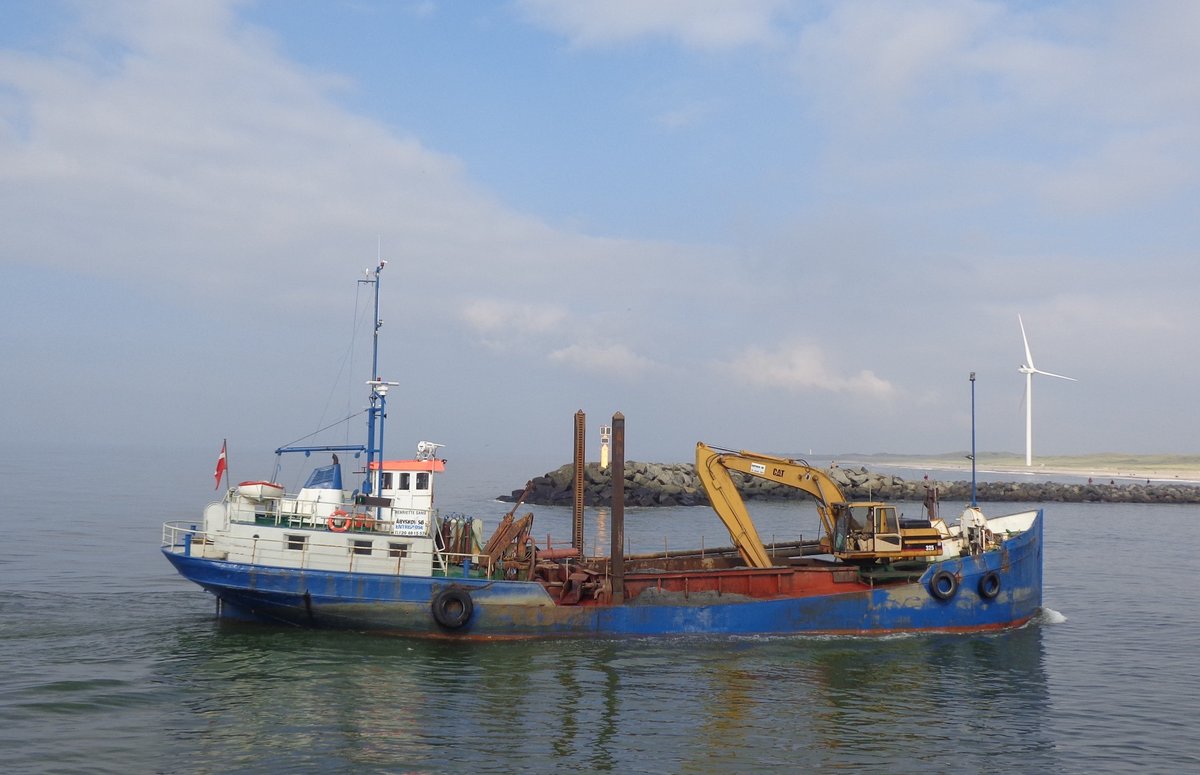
(617, 553)
(577, 522)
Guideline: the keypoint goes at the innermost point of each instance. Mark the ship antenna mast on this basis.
(973, 503)
(376, 413)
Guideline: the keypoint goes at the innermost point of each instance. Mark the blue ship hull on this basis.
(992, 590)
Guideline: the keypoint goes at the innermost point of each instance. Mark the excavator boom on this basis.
(723, 494)
(713, 468)
(853, 531)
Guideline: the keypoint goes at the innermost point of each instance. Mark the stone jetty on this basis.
(676, 484)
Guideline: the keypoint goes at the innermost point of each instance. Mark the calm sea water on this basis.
(111, 663)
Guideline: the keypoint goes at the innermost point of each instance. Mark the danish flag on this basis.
(222, 465)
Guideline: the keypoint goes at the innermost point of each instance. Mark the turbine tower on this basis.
(1028, 369)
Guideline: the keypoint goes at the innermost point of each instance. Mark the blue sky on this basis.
(765, 224)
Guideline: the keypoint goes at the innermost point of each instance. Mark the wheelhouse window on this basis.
(423, 481)
(404, 481)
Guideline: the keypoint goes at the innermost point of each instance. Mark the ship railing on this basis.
(313, 515)
(448, 562)
(396, 556)
(180, 536)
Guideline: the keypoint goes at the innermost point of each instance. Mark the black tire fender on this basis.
(452, 607)
(989, 585)
(943, 585)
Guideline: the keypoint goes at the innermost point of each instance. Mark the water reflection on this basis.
(934, 700)
(297, 698)
(603, 541)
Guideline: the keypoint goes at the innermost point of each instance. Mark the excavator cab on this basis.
(868, 531)
(847, 525)
(861, 528)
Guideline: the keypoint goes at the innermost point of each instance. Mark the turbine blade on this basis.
(1025, 339)
(1048, 374)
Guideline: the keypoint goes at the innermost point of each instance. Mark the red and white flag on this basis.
(222, 464)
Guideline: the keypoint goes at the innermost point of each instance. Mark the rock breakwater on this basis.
(676, 484)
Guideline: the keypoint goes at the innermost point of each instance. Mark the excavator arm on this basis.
(859, 532)
(713, 468)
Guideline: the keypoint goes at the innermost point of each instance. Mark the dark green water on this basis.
(111, 663)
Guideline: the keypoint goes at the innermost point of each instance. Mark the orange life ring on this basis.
(339, 521)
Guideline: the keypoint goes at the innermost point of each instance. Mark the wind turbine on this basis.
(1028, 369)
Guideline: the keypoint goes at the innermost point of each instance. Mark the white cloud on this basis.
(163, 151)
(500, 324)
(705, 24)
(1126, 169)
(685, 116)
(491, 315)
(802, 367)
(613, 360)
(1092, 112)
(867, 65)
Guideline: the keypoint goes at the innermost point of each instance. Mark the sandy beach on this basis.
(1152, 472)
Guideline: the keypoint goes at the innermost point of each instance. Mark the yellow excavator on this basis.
(864, 532)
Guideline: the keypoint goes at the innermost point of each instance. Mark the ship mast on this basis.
(377, 412)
